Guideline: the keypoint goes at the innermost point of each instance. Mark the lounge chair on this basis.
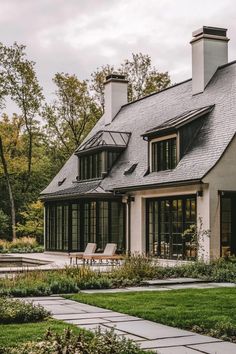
(108, 254)
(90, 248)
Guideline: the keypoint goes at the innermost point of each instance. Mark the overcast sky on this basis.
(77, 36)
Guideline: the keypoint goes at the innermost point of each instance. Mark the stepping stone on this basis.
(215, 348)
(88, 315)
(176, 350)
(122, 318)
(148, 288)
(149, 330)
(173, 281)
(178, 341)
(131, 337)
(86, 321)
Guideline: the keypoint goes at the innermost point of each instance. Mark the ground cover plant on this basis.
(206, 311)
(12, 335)
(20, 245)
(134, 271)
(17, 311)
(82, 343)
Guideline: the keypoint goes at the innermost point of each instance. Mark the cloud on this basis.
(77, 36)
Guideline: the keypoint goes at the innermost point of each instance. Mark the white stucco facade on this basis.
(221, 178)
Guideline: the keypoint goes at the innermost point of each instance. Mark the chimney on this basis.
(116, 87)
(209, 50)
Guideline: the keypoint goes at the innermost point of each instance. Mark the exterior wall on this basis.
(115, 97)
(138, 214)
(221, 177)
(207, 55)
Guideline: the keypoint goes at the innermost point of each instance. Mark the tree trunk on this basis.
(13, 212)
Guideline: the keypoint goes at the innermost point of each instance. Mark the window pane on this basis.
(167, 221)
(102, 238)
(75, 219)
(117, 225)
(164, 155)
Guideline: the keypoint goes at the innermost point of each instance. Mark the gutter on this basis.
(158, 185)
(46, 198)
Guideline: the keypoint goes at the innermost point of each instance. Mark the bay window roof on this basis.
(173, 124)
(104, 139)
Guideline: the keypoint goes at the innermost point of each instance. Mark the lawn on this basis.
(209, 311)
(13, 334)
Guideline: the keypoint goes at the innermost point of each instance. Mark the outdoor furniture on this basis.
(90, 249)
(108, 254)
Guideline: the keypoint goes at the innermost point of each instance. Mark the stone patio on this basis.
(149, 335)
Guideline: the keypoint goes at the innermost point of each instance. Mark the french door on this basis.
(167, 219)
(228, 224)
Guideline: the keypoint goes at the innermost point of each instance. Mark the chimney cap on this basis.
(116, 77)
(214, 31)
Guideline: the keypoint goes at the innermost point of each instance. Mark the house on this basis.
(151, 169)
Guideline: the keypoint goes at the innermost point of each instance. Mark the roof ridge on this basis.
(227, 64)
(155, 93)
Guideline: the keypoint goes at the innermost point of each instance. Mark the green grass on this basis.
(14, 334)
(213, 311)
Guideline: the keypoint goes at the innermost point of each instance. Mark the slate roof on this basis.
(154, 110)
(105, 138)
(177, 122)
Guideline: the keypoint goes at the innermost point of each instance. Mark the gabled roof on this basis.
(105, 139)
(179, 121)
(157, 110)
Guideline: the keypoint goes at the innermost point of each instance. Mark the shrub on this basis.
(99, 343)
(135, 267)
(20, 245)
(17, 311)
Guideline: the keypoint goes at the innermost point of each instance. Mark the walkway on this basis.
(149, 335)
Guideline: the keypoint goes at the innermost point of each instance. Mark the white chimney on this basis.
(209, 50)
(116, 90)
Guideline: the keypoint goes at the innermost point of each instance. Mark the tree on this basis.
(4, 223)
(15, 148)
(23, 87)
(98, 77)
(143, 78)
(72, 114)
(33, 221)
(12, 202)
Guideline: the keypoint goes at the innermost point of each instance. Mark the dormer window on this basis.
(91, 166)
(99, 153)
(171, 140)
(163, 154)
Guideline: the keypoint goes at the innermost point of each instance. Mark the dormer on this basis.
(98, 154)
(169, 142)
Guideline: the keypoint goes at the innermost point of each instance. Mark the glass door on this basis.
(167, 219)
(228, 225)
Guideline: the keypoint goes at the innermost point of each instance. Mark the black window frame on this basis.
(164, 154)
(91, 232)
(185, 223)
(97, 164)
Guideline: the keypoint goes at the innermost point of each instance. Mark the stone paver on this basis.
(163, 287)
(215, 348)
(148, 329)
(149, 335)
(176, 341)
(176, 350)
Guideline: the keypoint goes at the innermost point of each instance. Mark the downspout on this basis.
(129, 225)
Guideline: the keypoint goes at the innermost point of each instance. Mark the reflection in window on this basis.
(164, 155)
(226, 226)
(71, 226)
(168, 218)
